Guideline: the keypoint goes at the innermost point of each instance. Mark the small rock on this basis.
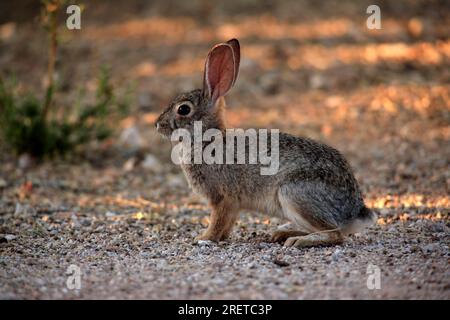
(207, 243)
(438, 227)
(336, 255)
(19, 209)
(152, 163)
(430, 248)
(129, 164)
(317, 81)
(7, 238)
(263, 245)
(25, 161)
(110, 214)
(281, 263)
(131, 139)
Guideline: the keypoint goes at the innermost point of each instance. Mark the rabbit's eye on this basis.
(184, 110)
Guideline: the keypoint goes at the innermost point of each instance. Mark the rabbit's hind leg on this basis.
(283, 235)
(304, 205)
(320, 238)
(290, 203)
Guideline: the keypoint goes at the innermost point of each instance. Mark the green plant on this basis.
(27, 129)
(29, 125)
(21, 122)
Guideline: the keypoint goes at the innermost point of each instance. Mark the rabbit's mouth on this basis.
(163, 130)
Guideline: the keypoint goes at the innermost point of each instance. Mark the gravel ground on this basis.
(129, 247)
(123, 214)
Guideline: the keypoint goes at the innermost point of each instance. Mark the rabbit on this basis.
(314, 187)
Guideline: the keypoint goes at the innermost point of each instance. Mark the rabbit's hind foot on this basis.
(320, 238)
(282, 235)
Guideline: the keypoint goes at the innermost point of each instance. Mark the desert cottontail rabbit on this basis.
(314, 186)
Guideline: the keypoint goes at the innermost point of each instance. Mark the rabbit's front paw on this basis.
(207, 237)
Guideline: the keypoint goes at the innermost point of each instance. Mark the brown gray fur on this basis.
(314, 187)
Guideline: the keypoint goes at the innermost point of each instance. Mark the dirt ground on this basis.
(122, 213)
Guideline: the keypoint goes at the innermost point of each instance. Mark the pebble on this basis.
(152, 163)
(25, 161)
(430, 248)
(7, 238)
(19, 209)
(336, 255)
(131, 139)
(317, 81)
(205, 243)
(110, 214)
(10, 237)
(281, 263)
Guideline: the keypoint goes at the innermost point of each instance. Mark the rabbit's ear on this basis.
(234, 43)
(219, 72)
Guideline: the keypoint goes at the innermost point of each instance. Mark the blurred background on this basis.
(310, 68)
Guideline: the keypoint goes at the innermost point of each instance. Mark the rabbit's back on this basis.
(304, 159)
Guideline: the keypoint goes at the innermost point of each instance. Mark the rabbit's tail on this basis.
(365, 218)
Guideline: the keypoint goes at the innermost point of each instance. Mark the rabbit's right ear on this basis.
(234, 43)
(221, 70)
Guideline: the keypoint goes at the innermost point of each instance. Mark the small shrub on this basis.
(29, 125)
(26, 129)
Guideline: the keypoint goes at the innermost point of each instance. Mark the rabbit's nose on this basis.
(157, 126)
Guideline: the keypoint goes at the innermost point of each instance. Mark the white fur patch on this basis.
(295, 217)
(359, 225)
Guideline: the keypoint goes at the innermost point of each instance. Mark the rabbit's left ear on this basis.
(221, 68)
